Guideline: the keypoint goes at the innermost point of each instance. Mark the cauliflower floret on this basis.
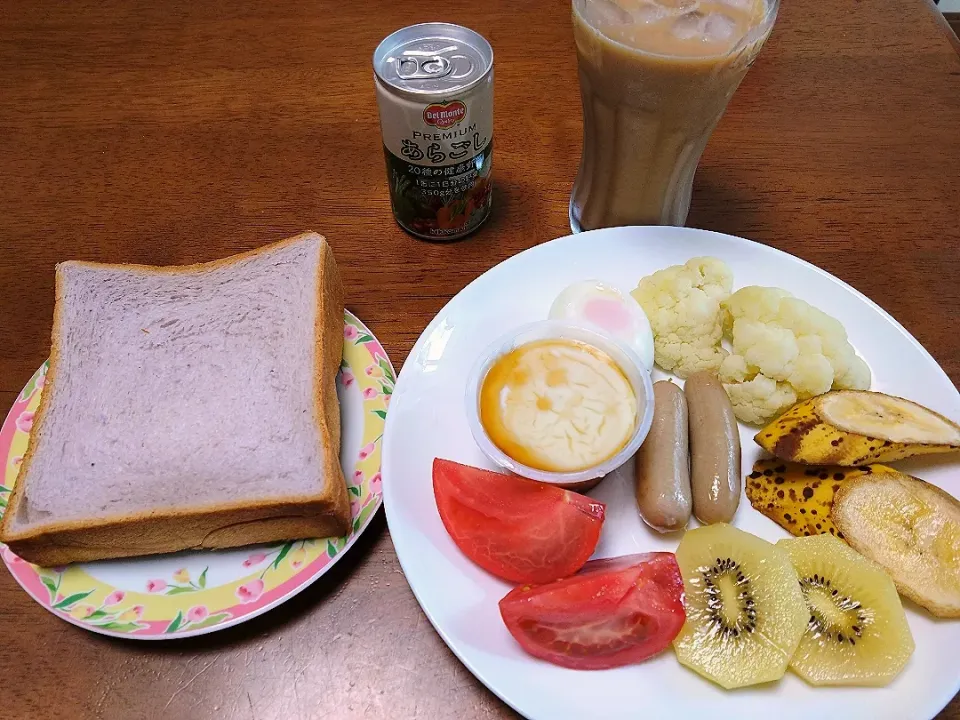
(752, 303)
(785, 347)
(734, 369)
(765, 347)
(856, 376)
(682, 303)
(811, 375)
(760, 399)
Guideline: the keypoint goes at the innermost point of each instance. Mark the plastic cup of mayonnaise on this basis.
(625, 358)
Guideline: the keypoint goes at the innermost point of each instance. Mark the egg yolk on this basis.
(558, 405)
(609, 313)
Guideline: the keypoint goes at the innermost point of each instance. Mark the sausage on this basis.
(663, 462)
(714, 449)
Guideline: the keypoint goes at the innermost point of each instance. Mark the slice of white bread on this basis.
(186, 407)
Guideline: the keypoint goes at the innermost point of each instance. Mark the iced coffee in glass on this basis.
(655, 77)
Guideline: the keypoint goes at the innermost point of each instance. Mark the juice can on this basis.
(435, 93)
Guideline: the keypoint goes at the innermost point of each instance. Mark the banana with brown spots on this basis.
(857, 427)
(799, 498)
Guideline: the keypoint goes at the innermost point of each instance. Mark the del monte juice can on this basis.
(435, 93)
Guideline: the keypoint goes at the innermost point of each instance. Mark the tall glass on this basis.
(655, 78)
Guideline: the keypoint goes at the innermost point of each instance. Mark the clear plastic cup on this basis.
(628, 361)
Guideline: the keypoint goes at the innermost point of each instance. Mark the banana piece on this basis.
(909, 527)
(799, 497)
(857, 427)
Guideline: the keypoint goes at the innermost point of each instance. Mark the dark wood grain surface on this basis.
(181, 131)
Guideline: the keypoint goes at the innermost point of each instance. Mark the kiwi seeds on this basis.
(729, 621)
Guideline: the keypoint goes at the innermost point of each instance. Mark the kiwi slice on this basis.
(857, 632)
(745, 611)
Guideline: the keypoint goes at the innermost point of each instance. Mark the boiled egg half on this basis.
(597, 304)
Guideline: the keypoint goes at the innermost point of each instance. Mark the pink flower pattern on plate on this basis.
(156, 585)
(198, 613)
(357, 477)
(376, 482)
(25, 421)
(255, 559)
(366, 451)
(41, 379)
(251, 591)
(114, 598)
(350, 332)
(346, 378)
(369, 393)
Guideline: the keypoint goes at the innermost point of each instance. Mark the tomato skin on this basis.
(615, 612)
(517, 529)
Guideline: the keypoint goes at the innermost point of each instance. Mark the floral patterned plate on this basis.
(192, 593)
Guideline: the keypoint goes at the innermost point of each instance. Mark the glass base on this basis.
(574, 225)
(680, 221)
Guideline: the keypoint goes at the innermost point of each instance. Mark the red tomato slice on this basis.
(517, 529)
(614, 612)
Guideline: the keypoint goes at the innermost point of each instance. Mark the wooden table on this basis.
(182, 131)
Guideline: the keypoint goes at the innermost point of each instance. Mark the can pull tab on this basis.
(413, 65)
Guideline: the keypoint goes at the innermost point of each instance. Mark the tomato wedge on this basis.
(517, 529)
(614, 612)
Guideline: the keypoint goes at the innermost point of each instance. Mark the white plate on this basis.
(427, 420)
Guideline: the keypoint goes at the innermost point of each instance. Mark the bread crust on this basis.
(216, 526)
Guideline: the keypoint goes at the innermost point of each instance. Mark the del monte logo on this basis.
(444, 115)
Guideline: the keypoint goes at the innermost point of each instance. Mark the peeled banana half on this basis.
(857, 427)
(909, 527)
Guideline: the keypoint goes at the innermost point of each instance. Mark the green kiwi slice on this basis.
(745, 610)
(857, 632)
